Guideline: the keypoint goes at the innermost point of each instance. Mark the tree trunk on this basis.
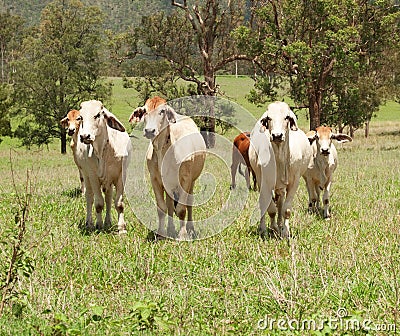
(352, 131)
(366, 132)
(208, 130)
(314, 101)
(63, 142)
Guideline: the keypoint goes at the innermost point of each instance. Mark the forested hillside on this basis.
(119, 13)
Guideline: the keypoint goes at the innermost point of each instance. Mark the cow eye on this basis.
(161, 112)
(79, 118)
(97, 116)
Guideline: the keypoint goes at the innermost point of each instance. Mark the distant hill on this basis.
(120, 14)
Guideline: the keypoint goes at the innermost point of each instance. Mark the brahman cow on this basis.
(262, 161)
(103, 153)
(71, 123)
(240, 155)
(292, 155)
(322, 166)
(175, 159)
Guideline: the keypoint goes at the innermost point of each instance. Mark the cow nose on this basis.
(71, 131)
(85, 138)
(277, 137)
(325, 151)
(149, 133)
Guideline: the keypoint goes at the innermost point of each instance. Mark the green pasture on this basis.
(336, 277)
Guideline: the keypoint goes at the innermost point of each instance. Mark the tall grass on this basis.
(233, 282)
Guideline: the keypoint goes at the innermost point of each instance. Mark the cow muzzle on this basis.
(277, 137)
(71, 131)
(149, 133)
(325, 151)
(86, 139)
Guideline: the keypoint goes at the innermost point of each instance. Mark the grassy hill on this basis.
(120, 14)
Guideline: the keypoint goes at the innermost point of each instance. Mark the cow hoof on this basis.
(232, 187)
(172, 234)
(122, 232)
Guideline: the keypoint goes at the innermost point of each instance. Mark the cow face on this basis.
(158, 119)
(278, 119)
(71, 122)
(94, 119)
(323, 136)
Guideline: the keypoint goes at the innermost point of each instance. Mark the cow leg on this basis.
(280, 197)
(234, 166)
(189, 224)
(312, 195)
(325, 200)
(264, 201)
(89, 206)
(184, 199)
(287, 207)
(254, 179)
(161, 205)
(83, 188)
(247, 177)
(171, 232)
(98, 204)
(108, 197)
(119, 205)
(273, 227)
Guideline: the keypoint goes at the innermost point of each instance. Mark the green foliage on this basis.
(327, 49)
(60, 67)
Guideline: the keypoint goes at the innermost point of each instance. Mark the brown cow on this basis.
(71, 123)
(240, 155)
(175, 159)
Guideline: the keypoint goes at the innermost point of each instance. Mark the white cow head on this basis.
(71, 122)
(323, 136)
(155, 119)
(94, 119)
(278, 119)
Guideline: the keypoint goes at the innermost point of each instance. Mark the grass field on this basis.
(337, 277)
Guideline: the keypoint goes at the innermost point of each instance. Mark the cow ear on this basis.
(112, 121)
(292, 123)
(138, 114)
(312, 136)
(64, 122)
(340, 137)
(264, 124)
(171, 114)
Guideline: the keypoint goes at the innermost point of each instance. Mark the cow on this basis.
(262, 162)
(240, 155)
(103, 153)
(324, 162)
(71, 124)
(175, 159)
(292, 155)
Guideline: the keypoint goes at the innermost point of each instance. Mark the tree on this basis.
(11, 33)
(196, 41)
(61, 66)
(320, 45)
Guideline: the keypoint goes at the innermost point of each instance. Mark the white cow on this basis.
(71, 123)
(262, 161)
(292, 155)
(103, 152)
(175, 159)
(322, 166)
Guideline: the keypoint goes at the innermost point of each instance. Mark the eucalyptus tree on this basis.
(61, 66)
(325, 48)
(196, 40)
(11, 35)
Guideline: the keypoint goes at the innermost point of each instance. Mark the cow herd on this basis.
(276, 154)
